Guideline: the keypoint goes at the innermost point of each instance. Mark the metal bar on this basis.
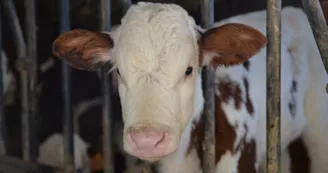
(66, 86)
(2, 113)
(105, 25)
(22, 65)
(30, 25)
(273, 85)
(10, 11)
(207, 16)
(319, 27)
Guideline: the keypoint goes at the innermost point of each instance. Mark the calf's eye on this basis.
(188, 71)
(118, 72)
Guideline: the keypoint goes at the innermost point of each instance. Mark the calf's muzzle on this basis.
(148, 143)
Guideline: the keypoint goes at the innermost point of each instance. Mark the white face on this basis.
(158, 64)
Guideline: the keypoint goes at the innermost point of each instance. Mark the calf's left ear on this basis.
(84, 49)
(230, 44)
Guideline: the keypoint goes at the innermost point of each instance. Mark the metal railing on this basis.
(105, 25)
(319, 27)
(273, 85)
(27, 62)
(2, 116)
(31, 46)
(207, 17)
(23, 67)
(68, 129)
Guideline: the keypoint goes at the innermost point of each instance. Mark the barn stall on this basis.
(45, 99)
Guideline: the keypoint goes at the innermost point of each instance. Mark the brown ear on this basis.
(230, 44)
(324, 7)
(83, 49)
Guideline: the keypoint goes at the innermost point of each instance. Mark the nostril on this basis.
(162, 141)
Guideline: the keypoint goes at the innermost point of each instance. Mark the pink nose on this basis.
(148, 143)
(145, 138)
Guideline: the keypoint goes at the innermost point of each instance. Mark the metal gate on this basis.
(26, 51)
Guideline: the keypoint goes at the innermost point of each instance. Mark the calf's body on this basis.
(158, 53)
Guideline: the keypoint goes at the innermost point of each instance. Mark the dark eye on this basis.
(188, 71)
(118, 72)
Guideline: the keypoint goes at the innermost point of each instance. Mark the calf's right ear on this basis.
(230, 44)
(83, 49)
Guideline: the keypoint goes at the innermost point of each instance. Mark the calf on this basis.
(51, 152)
(158, 52)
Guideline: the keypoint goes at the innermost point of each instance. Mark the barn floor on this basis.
(13, 165)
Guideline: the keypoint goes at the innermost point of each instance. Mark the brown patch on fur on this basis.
(196, 139)
(233, 43)
(225, 134)
(229, 90)
(247, 159)
(83, 48)
(248, 103)
(300, 161)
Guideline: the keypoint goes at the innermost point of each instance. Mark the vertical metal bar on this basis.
(2, 114)
(105, 25)
(207, 16)
(273, 85)
(67, 118)
(22, 65)
(319, 27)
(30, 25)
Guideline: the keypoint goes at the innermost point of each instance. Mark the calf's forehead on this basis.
(156, 38)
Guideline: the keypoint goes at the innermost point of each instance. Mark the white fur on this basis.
(51, 152)
(228, 162)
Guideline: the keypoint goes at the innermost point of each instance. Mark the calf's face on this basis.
(158, 54)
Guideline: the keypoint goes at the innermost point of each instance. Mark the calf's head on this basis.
(158, 54)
